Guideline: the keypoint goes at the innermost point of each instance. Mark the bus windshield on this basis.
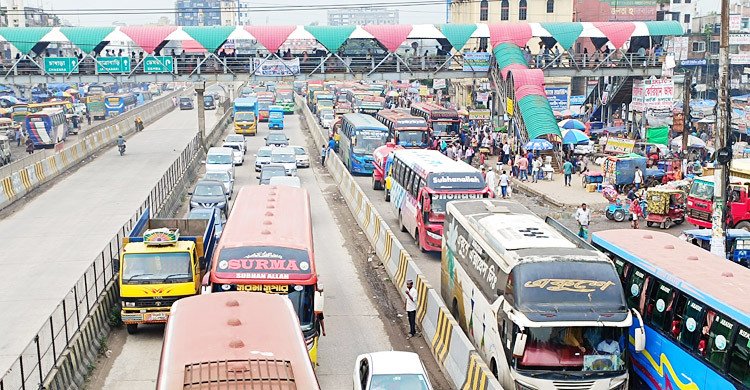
(581, 348)
(412, 137)
(440, 200)
(444, 127)
(367, 141)
(148, 268)
(702, 190)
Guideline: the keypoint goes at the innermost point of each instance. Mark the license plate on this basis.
(156, 317)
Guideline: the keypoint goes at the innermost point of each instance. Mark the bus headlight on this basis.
(521, 386)
(128, 304)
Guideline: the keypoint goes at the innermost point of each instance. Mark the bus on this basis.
(245, 116)
(66, 106)
(234, 340)
(95, 105)
(285, 98)
(360, 136)
(370, 105)
(47, 127)
(267, 246)
(444, 122)
(542, 307)
(118, 104)
(404, 129)
(422, 182)
(694, 308)
(264, 110)
(18, 113)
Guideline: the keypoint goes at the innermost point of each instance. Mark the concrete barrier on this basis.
(450, 347)
(24, 179)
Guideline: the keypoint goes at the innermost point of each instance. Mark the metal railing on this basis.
(38, 359)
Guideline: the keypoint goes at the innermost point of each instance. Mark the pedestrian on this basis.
(323, 154)
(19, 135)
(506, 152)
(536, 164)
(523, 167)
(638, 178)
(568, 172)
(29, 145)
(411, 307)
(504, 180)
(491, 180)
(583, 217)
(88, 118)
(635, 211)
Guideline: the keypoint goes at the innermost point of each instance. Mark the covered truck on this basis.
(620, 170)
(162, 260)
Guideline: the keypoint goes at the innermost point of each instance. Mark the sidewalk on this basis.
(556, 193)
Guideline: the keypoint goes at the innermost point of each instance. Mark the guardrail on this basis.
(65, 347)
(450, 347)
(19, 182)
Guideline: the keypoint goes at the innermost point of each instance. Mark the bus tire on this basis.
(376, 185)
(743, 225)
(132, 328)
(387, 195)
(493, 368)
(401, 223)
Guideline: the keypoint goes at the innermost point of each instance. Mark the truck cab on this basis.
(276, 117)
(162, 260)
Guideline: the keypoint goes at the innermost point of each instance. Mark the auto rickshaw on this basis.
(737, 244)
(8, 128)
(4, 150)
(666, 206)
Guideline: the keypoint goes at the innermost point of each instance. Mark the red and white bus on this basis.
(444, 122)
(422, 183)
(234, 340)
(381, 159)
(267, 246)
(404, 129)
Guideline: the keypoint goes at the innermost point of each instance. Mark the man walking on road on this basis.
(638, 178)
(583, 217)
(491, 180)
(567, 171)
(411, 307)
(504, 181)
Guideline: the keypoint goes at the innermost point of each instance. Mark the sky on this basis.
(433, 13)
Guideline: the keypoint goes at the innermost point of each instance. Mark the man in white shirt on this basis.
(583, 217)
(638, 179)
(504, 181)
(411, 307)
(491, 180)
(608, 347)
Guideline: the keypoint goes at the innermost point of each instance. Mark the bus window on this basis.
(660, 304)
(739, 357)
(678, 314)
(690, 332)
(636, 287)
(718, 339)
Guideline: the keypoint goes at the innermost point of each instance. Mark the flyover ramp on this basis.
(53, 239)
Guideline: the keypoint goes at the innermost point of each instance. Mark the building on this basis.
(362, 16)
(494, 11)
(14, 13)
(234, 12)
(198, 12)
(681, 11)
(615, 10)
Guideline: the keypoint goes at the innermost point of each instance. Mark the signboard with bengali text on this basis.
(476, 62)
(619, 145)
(557, 97)
(654, 94)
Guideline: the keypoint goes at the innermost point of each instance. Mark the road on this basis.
(358, 316)
(55, 235)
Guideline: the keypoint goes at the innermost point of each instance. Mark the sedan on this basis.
(277, 138)
(224, 178)
(269, 171)
(209, 194)
(390, 370)
(303, 158)
(263, 157)
(236, 141)
(237, 157)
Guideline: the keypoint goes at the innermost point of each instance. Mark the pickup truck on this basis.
(162, 260)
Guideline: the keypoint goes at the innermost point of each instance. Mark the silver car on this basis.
(236, 141)
(287, 157)
(303, 158)
(224, 178)
(263, 157)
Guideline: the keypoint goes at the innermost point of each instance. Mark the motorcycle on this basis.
(122, 149)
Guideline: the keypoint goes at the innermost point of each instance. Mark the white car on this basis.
(237, 157)
(224, 178)
(327, 118)
(263, 157)
(285, 156)
(303, 158)
(390, 369)
(236, 141)
(290, 181)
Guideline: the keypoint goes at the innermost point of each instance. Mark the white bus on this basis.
(542, 307)
(422, 183)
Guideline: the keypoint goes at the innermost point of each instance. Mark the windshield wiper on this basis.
(136, 276)
(174, 276)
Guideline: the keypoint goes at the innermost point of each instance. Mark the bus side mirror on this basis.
(520, 345)
(202, 262)
(639, 334)
(426, 203)
(319, 301)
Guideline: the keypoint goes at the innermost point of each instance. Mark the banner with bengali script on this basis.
(476, 62)
(276, 67)
(652, 94)
(619, 145)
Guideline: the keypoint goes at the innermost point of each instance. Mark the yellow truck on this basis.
(162, 260)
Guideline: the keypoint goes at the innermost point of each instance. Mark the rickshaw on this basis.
(665, 207)
(618, 208)
(8, 128)
(737, 244)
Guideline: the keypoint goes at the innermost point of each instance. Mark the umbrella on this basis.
(572, 124)
(538, 144)
(573, 137)
(393, 93)
(692, 141)
(61, 94)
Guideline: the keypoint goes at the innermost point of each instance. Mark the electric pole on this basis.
(721, 171)
(686, 85)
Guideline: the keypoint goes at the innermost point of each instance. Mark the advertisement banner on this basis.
(652, 94)
(558, 98)
(476, 62)
(679, 46)
(739, 39)
(735, 24)
(739, 58)
(619, 145)
(276, 67)
(479, 114)
(438, 83)
(577, 100)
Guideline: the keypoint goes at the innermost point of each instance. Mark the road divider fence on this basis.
(450, 347)
(65, 348)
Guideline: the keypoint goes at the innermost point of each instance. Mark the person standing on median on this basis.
(567, 171)
(411, 307)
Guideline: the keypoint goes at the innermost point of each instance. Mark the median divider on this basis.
(24, 179)
(450, 347)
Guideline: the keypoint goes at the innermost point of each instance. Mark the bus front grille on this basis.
(577, 385)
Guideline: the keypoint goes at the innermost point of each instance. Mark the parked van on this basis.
(220, 159)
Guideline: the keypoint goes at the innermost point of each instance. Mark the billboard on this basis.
(558, 98)
(654, 94)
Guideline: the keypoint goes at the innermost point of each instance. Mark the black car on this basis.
(209, 194)
(269, 171)
(186, 103)
(277, 138)
(209, 102)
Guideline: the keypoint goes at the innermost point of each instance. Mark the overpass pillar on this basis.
(200, 88)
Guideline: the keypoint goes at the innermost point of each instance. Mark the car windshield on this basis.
(219, 159)
(276, 115)
(208, 190)
(578, 348)
(208, 99)
(368, 141)
(300, 151)
(399, 382)
(277, 137)
(232, 146)
(186, 100)
(271, 172)
(147, 268)
(244, 117)
(218, 176)
(264, 153)
(235, 138)
(327, 115)
(702, 190)
(283, 158)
